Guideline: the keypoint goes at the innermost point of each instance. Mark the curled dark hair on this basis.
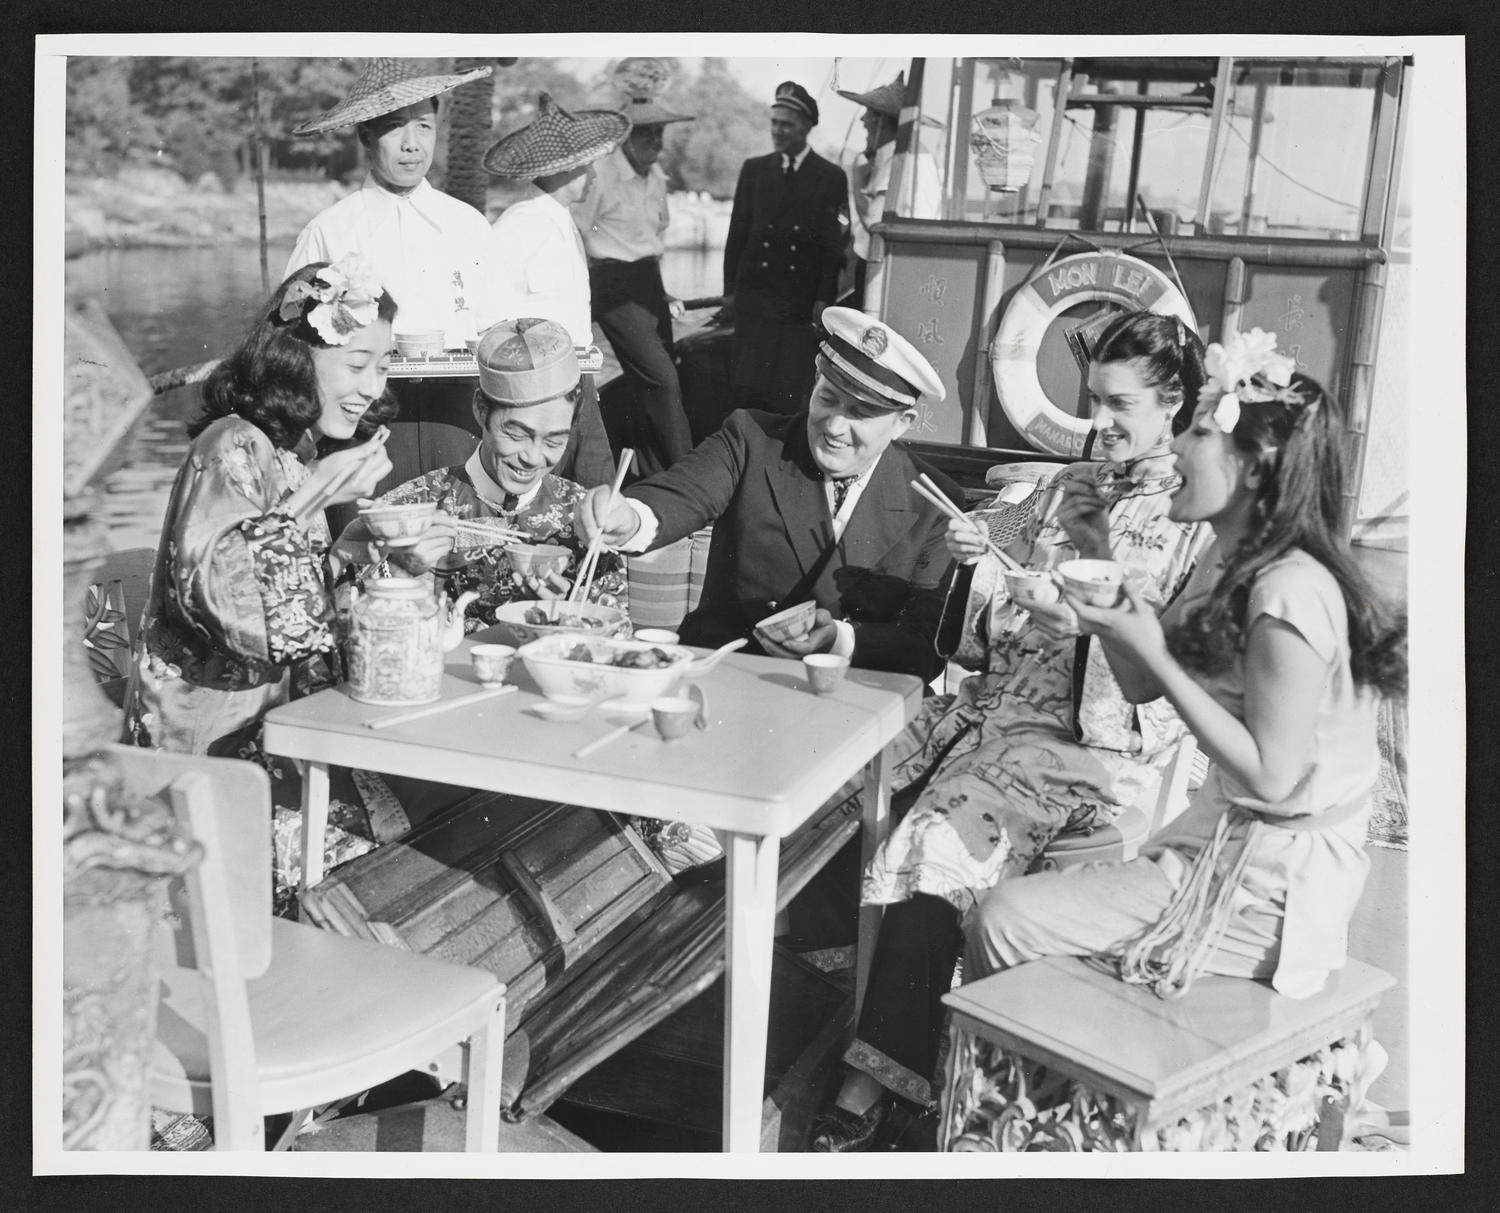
(1169, 355)
(270, 379)
(1300, 448)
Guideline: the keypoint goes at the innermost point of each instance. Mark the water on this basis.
(177, 307)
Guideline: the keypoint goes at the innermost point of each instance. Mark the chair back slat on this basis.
(240, 795)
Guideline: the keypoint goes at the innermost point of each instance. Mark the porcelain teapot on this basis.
(399, 630)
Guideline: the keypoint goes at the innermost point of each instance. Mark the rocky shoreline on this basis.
(153, 208)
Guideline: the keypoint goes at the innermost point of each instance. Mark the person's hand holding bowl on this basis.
(818, 638)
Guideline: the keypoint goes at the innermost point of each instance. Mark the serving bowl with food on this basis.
(520, 623)
(602, 667)
(1098, 582)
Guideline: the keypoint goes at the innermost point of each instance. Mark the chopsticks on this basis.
(432, 709)
(600, 742)
(924, 486)
(585, 580)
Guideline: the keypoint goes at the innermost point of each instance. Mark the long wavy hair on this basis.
(1300, 449)
(1168, 356)
(270, 379)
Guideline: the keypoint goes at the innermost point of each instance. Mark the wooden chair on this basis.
(259, 1015)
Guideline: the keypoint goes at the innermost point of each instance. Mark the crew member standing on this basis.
(542, 267)
(428, 249)
(782, 259)
(622, 220)
(870, 174)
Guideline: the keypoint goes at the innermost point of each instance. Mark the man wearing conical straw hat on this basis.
(428, 249)
(623, 219)
(541, 268)
(870, 174)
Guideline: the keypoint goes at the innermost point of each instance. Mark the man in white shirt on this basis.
(429, 250)
(541, 267)
(622, 219)
(870, 174)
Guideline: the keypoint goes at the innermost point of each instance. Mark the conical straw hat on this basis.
(385, 86)
(639, 80)
(556, 140)
(887, 99)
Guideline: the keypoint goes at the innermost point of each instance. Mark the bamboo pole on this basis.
(260, 174)
(976, 430)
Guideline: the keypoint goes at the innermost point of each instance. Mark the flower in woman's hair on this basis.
(1227, 412)
(1246, 369)
(337, 301)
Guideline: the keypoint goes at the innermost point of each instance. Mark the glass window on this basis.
(1291, 158)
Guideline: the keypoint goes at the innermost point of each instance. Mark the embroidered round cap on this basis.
(556, 140)
(792, 96)
(887, 99)
(385, 86)
(872, 361)
(526, 361)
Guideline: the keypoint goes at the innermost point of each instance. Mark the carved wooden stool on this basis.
(1059, 1055)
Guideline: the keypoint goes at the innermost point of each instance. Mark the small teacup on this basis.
(824, 671)
(1030, 587)
(674, 715)
(492, 662)
(656, 635)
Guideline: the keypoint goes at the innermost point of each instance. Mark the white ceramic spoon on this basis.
(701, 666)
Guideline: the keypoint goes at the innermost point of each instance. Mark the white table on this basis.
(774, 753)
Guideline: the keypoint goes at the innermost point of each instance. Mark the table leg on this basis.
(875, 824)
(314, 821)
(752, 873)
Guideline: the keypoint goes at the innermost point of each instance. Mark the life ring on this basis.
(1108, 277)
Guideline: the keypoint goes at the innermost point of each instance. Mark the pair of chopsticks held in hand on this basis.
(924, 486)
(585, 579)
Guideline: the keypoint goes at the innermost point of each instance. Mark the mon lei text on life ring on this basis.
(1107, 277)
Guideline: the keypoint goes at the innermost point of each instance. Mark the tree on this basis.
(469, 136)
(731, 126)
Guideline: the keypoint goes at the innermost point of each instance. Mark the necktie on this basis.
(840, 492)
(509, 502)
(786, 167)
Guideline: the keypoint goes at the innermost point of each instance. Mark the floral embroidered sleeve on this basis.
(244, 576)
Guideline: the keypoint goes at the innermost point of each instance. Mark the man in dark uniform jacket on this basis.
(782, 259)
(815, 506)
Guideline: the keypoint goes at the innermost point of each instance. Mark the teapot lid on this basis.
(397, 587)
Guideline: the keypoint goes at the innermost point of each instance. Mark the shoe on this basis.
(839, 1131)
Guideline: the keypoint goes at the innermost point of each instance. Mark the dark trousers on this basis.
(918, 945)
(775, 363)
(630, 305)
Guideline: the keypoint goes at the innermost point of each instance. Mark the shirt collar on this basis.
(492, 494)
(798, 159)
(385, 203)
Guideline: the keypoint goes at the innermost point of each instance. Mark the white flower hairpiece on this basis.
(337, 301)
(1247, 369)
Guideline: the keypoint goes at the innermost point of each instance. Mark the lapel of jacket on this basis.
(884, 513)
(797, 489)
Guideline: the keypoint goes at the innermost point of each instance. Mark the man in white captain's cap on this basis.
(816, 505)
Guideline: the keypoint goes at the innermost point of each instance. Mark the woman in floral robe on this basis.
(240, 614)
(1041, 739)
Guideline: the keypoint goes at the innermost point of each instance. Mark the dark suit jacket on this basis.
(756, 481)
(785, 245)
